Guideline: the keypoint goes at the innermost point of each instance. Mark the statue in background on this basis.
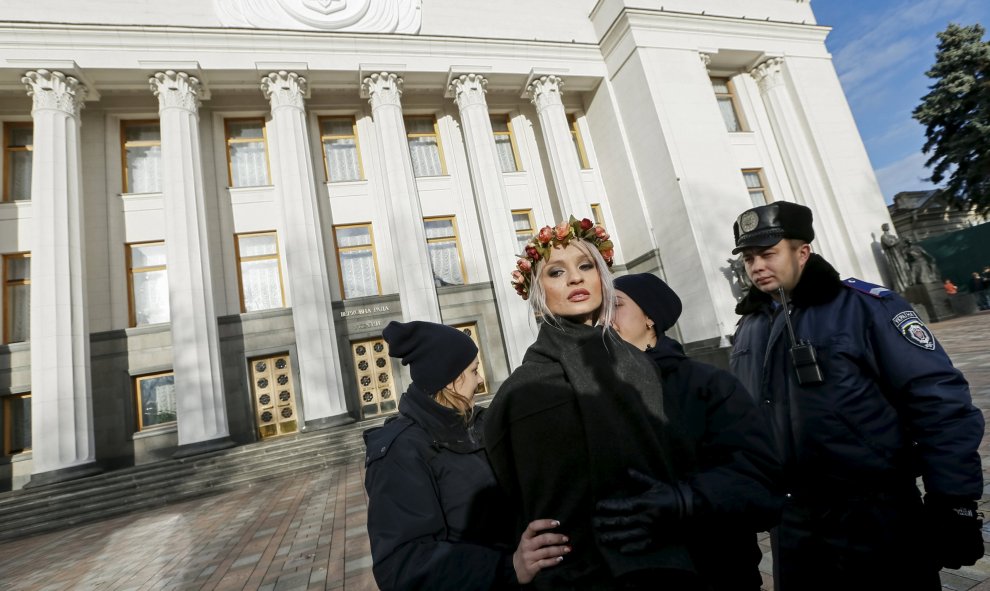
(921, 264)
(897, 264)
(738, 268)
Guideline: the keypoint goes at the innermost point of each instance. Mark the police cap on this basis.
(767, 225)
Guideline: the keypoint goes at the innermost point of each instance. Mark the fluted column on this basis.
(494, 212)
(801, 159)
(545, 93)
(61, 391)
(305, 255)
(417, 291)
(201, 412)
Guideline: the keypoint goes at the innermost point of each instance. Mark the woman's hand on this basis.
(537, 551)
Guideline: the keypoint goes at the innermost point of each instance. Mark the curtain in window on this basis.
(144, 174)
(247, 164)
(357, 270)
(20, 176)
(446, 263)
(729, 114)
(20, 313)
(425, 154)
(151, 297)
(262, 285)
(503, 146)
(342, 159)
(158, 400)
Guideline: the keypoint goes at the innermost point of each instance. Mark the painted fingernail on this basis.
(555, 523)
(567, 549)
(566, 539)
(559, 558)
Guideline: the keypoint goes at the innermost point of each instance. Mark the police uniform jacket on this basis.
(891, 407)
(435, 515)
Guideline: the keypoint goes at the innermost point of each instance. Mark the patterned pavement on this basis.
(308, 532)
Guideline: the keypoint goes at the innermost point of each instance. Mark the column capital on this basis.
(706, 61)
(54, 90)
(469, 90)
(546, 91)
(769, 74)
(284, 89)
(382, 88)
(176, 90)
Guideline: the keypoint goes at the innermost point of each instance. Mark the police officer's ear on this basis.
(803, 251)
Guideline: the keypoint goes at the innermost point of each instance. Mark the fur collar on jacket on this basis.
(819, 284)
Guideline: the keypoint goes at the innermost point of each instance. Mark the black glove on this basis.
(956, 531)
(633, 523)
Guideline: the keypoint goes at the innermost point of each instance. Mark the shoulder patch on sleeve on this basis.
(877, 291)
(378, 440)
(914, 330)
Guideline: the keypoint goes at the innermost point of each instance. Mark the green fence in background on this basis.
(960, 253)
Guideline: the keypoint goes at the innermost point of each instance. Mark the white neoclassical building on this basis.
(210, 209)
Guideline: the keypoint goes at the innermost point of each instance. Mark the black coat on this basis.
(561, 433)
(723, 452)
(435, 515)
(891, 407)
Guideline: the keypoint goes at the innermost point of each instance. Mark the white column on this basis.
(201, 412)
(494, 212)
(545, 93)
(417, 291)
(801, 160)
(61, 392)
(305, 255)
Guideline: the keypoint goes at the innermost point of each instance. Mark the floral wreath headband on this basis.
(541, 245)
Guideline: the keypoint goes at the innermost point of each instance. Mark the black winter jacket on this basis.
(891, 407)
(564, 428)
(724, 453)
(436, 518)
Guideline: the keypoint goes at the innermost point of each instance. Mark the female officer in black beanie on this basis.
(729, 463)
(436, 519)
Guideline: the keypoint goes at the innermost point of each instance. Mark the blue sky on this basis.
(881, 50)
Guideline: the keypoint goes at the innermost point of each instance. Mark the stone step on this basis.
(60, 505)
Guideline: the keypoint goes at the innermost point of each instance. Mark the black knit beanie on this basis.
(435, 353)
(658, 301)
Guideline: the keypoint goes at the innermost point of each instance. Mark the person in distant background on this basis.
(950, 287)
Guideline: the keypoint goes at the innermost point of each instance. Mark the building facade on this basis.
(211, 209)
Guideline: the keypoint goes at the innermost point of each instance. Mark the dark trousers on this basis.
(864, 544)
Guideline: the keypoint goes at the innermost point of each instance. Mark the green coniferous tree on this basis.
(956, 116)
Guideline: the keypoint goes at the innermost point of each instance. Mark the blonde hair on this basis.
(451, 399)
(604, 314)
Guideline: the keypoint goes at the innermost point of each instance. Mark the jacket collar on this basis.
(819, 284)
(445, 425)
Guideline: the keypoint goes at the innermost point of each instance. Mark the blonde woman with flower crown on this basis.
(580, 412)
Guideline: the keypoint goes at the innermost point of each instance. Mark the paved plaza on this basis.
(308, 532)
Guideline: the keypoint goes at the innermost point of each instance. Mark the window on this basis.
(340, 149)
(141, 149)
(259, 271)
(578, 141)
(247, 159)
(16, 297)
(357, 262)
(424, 146)
(18, 142)
(596, 214)
(155, 394)
(757, 188)
(445, 251)
(16, 423)
(147, 281)
(522, 220)
(505, 143)
(727, 104)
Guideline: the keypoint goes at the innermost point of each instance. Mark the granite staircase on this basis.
(61, 505)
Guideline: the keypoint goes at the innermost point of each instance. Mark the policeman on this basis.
(861, 399)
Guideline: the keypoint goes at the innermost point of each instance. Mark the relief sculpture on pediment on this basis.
(365, 16)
